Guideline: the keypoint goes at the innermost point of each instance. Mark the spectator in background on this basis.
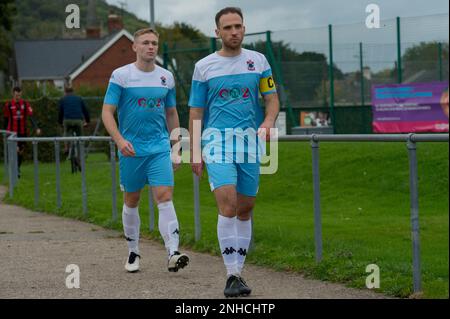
(73, 114)
(15, 115)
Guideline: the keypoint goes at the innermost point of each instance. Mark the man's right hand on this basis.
(126, 148)
(197, 168)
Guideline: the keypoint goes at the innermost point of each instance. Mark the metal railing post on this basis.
(5, 157)
(58, 175)
(112, 153)
(414, 194)
(10, 168)
(198, 230)
(15, 163)
(151, 209)
(317, 208)
(83, 177)
(36, 173)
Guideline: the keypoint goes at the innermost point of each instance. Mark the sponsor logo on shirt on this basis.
(149, 103)
(234, 93)
(163, 80)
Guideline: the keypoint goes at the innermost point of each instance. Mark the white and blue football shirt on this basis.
(141, 99)
(228, 88)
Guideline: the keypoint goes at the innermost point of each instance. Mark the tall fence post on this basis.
(414, 193)
(58, 175)
(151, 209)
(213, 44)
(441, 73)
(165, 55)
(331, 77)
(278, 76)
(198, 229)
(36, 173)
(83, 177)
(361, 66)
(317, 208)
(399, 53)
(112, 148)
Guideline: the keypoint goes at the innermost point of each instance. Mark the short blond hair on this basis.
(140, 32)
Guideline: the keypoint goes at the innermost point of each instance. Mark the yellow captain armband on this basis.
(267, 85)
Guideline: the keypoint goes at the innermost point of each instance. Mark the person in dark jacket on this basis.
(73, 114)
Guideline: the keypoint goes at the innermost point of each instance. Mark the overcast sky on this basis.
(261, 15)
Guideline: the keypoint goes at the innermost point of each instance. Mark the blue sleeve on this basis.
(171, 98)
(198, 96)
(113, 94)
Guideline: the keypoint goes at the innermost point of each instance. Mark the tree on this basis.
(422, 58)
(7, 12)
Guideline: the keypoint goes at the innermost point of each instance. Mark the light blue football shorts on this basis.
(244, 176)
(153, 170)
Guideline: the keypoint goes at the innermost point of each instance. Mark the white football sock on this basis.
(168, 226)
(226, 233)
(244, 235)
(131, 227)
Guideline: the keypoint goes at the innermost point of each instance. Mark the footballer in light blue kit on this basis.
(144, 96)
(225, 91)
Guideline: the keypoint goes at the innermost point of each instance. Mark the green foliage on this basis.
(423, 57)
(7, 11)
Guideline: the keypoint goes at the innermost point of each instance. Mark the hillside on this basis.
(45, 19)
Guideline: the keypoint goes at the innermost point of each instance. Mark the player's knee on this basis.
(244, 211)
(132, 199)
(164, 196)
(229, 210)
(245, 214)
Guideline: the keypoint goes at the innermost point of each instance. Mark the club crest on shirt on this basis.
(251, 65)
(163, 80)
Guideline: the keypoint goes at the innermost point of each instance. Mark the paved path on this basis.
(35, 249)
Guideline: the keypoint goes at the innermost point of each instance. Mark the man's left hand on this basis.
(264, 129)
(38, 131)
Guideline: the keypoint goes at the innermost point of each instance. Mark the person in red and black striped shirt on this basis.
(15, 114)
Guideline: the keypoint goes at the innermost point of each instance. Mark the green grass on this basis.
(365, 212)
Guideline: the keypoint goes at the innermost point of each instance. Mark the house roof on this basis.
(53, 59)
(59, 59)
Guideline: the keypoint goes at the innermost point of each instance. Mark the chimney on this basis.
(115, 23)
(92, 29)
